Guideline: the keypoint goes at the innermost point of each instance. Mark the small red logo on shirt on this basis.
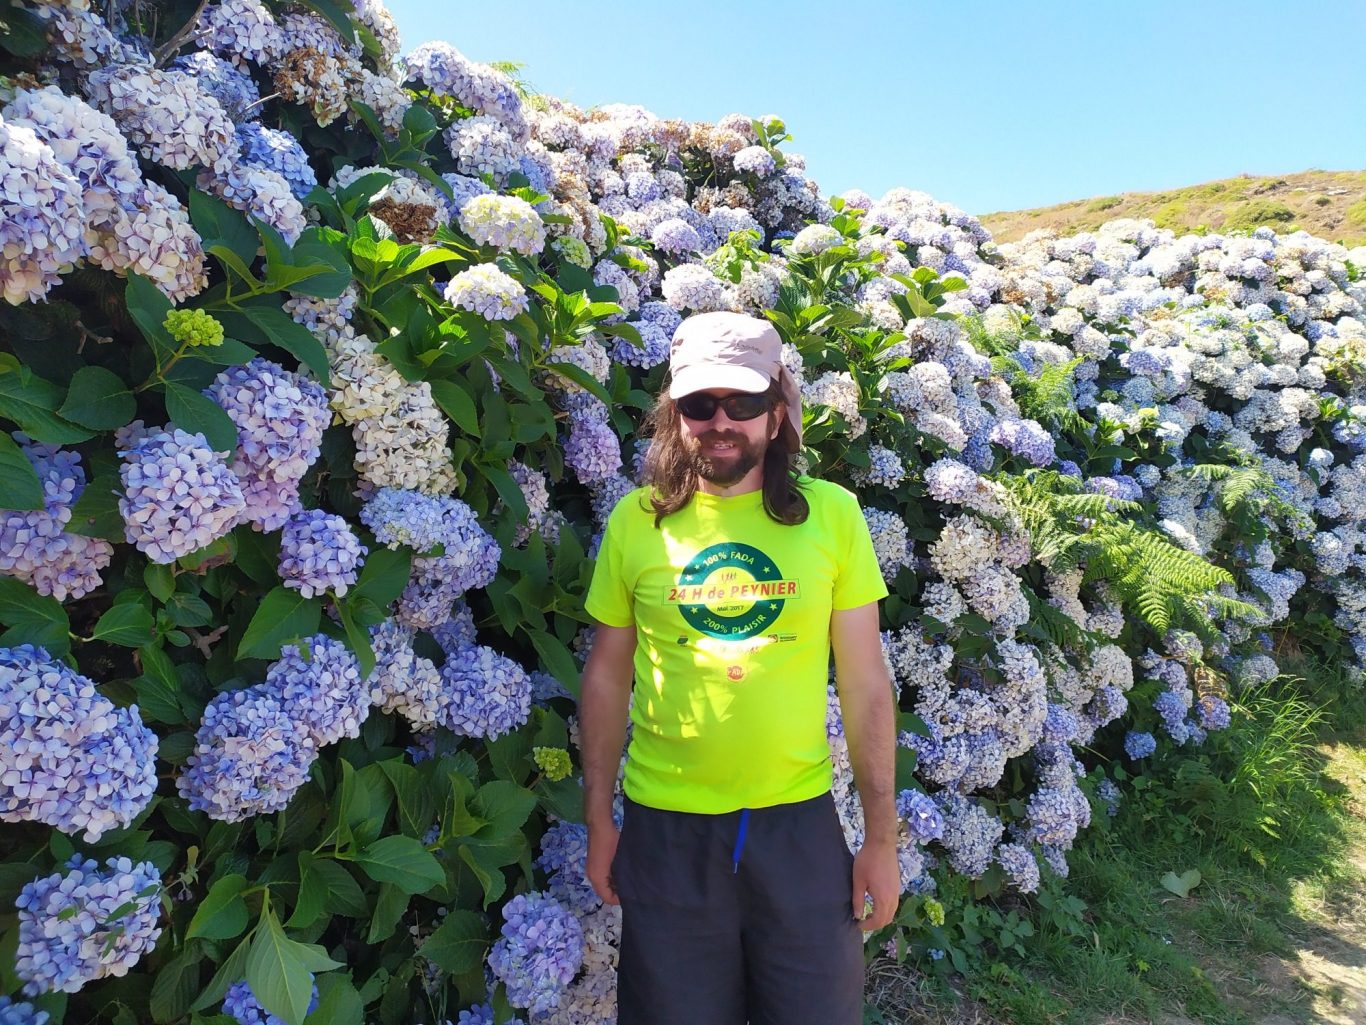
(735, 672)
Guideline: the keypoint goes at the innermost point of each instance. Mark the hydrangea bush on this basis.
(320, 371)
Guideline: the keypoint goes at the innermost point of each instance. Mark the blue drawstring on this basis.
(740, 838)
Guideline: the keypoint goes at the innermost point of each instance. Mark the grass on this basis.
(1274, 819)
(1330, 204)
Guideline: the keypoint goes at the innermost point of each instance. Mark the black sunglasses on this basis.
(701, 406)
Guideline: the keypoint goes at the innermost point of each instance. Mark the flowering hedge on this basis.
(320, 371)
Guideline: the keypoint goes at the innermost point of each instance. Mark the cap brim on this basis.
(699, 378)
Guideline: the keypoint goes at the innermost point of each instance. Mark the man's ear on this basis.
(778, 417)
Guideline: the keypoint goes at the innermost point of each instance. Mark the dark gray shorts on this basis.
(773, 942)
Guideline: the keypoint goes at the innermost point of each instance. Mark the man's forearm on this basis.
(870, 728)
(602, 733)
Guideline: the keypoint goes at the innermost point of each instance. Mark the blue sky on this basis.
(989, 105)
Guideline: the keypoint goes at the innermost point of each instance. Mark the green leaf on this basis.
(175, 985)
(158, 689)
(271, 324)
(25, 34)
(457, 404)
(403, 861)
(505, 806)
(223, 913)
(389, 908)
(279, 970)
(148, 308)
(338, 1002)
(1182, 884)
(383, 577)
(159, 580)
(33, 618)
(582, 378)
(98, 399)
(459, 943)
(31, 402)
(229, 971)
(557, 659)
(195, 412)
(219, 225)
(128, 624)
(96, 512)
(284, 615)
(357, 639)
(19, 481)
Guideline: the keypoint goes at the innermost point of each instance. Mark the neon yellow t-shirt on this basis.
(732, 616)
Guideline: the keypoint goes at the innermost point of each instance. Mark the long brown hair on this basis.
(673, 481)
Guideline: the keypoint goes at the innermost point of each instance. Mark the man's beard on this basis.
(724, 473)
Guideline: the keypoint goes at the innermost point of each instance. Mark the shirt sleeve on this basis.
(860, 577)
(611, 599)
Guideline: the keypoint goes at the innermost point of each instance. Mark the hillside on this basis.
(1331, 204)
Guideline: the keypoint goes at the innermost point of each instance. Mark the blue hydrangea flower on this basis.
(1020, 865)
(34, 544)
(323, 692)
(486, 694)
(539, 953)
(68, 757)
(319, 552)
(1024, 438)
(249, 758)
(1108, 792)
(1139, 745)
(276, 150)
(922, 815)
(69, 932)
(178, 494)
(1213, 712)
(241, 1003)
(19, 1013)
(564, 859)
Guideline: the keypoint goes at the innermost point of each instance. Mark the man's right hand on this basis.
(602, 849)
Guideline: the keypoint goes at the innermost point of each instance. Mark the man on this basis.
(721, 589)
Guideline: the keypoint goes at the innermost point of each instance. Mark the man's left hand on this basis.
(878, 875)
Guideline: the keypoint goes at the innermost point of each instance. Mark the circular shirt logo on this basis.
(734, 591)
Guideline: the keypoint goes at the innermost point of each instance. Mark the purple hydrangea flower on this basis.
(592, 449)
(319, 552)
(74, 928)
(539, 953)
(42, 215)
(675, 236)
(323, 692)
(1024, 438)
(1213, 712)
(1020, 865)
(755, 160)
(280, 418)
(249, 758)
(68, 757)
